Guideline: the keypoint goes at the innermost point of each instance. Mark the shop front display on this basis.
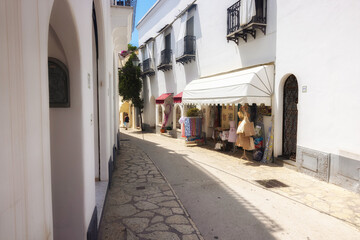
(239, 109)
(245, 132)
(192, 126)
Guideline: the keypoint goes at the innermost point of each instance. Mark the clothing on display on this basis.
(258, 141)
(187, 127)
(182, 124)
(224, 135)
(232, 132)
(198, 126)
(247, 143)
(245, 132)
(212, 117)
(240, 128)
(192, 127)
(218, 146)
(182, 120)
(249, 129)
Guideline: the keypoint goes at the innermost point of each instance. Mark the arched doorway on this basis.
(160, 115)
(290, 117)
(71, 135)
(177, 117)
(125, 109)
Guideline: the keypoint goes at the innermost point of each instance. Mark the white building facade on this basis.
(168, 24)
(313, 72)
(324, 62)
(59, 112)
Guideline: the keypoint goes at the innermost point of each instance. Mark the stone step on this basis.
(166, 134)
(286, 163)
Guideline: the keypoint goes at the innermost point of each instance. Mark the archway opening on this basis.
(66, 126)
(160, 115)
(290, 118)
(125, 110)
(178, 116)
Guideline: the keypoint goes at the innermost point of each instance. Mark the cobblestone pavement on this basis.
(141, 204)
(319, 195)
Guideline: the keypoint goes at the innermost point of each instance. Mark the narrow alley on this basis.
(219, 194)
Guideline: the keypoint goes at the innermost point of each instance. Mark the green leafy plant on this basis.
(192, 112)
(131, 47)
(130, 84)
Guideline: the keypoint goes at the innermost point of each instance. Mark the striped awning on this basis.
(251, 85)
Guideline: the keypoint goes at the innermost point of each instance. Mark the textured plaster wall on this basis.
(318, 43)
(34, 182)
(25, 179)
(71, 129)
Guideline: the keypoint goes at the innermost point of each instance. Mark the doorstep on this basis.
(166, 134)
(284, 162)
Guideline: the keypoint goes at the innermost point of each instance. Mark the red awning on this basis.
(161, 99)
(178, 98)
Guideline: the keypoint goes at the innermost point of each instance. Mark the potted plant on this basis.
(192, 112)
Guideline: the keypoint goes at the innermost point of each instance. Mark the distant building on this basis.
(293, 62)
(59, 112)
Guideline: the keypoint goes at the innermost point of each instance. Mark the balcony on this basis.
(236, 30)
(186, 49)
(165, 63)
(148, 67)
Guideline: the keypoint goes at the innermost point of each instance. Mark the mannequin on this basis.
(245, 131)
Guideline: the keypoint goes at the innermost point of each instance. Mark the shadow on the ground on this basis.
(217, 210)
(237, 152)
(135, 132)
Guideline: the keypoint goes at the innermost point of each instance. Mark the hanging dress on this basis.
(232, 132)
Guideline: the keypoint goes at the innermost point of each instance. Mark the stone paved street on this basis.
(324, 197)
(227, 198)
(141, 204)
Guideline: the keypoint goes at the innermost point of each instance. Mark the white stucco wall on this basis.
(25, 175)
(34, 182)
(317, 41)
(214, 54)
(71, 129)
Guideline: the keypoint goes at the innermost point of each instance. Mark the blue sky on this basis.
(141, 8)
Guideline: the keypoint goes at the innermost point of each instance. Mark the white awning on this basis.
(252, 85)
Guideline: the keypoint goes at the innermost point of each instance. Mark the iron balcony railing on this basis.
(148, 66)
(186, 46)
(189, 45)
(165, 60)
(233, 18)
(166, 56)
(186, 49)
(257, 22)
